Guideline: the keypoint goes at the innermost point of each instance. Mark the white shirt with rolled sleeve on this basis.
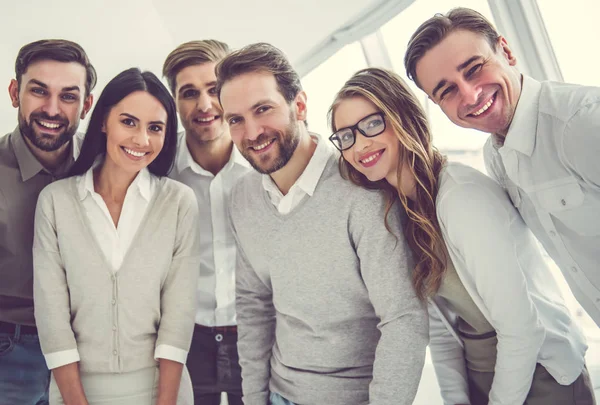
(216, 285)
(500, 265)
(549, 164)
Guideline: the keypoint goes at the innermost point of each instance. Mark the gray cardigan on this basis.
(326, 310)
(115, 321)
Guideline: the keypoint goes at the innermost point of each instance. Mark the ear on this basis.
(504, 49)
(13, 92)
(300, 105)
(87, 106)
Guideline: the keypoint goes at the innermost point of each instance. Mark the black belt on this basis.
(7, 327)
(223, 330)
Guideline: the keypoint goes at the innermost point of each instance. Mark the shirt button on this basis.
(552, 233)
(564, 379)
(114, 352)
(563, 202)
(114, 327)
(113, 302)
(218, 337)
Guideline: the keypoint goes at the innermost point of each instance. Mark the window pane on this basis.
(573, 30)
(323, 82)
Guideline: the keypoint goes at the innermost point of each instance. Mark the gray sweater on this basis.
(326, 310)
(115, 321)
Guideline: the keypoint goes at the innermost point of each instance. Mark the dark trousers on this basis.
(24, 377)
(544, 389)
(214, 366)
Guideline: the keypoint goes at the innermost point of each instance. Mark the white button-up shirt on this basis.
(114, 242)
(549, 164)
(500, 265)
(216, 285)
(306, 183)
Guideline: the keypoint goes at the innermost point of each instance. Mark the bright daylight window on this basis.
(573, 30)
(323, 82)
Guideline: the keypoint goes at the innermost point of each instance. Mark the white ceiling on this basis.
(118, 34)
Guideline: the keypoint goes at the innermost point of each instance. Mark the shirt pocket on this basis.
(567, 203)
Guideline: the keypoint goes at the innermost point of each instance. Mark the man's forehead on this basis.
(442, 61)
(196, 75)
(56, 74)
(244, 91)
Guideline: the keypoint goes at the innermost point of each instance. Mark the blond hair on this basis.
(388, 92)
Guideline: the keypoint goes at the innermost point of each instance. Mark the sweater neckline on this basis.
(88, 227)
(301, 204)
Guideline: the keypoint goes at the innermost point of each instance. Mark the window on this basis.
(323, 82)
(573, 30)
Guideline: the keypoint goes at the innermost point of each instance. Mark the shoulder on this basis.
(176, 191)
(247, 184)
(566, 101)
(59, 192)
(466, 192)
(7, 154)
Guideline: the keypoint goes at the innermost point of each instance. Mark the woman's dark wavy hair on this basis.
(122, 85)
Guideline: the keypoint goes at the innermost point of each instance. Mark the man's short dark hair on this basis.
(437, 28)
(192, 53)
(260, 57)
(59, 50)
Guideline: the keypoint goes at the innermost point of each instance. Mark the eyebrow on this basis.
(133, 117)
(185, 87)
(460, 67)
(254, 106)
(191, 86)
(45, 86)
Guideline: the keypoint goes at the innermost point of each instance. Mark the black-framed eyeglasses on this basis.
(370, 126)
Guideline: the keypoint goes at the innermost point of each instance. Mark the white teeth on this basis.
(371, 158)
(48, 124)
(134, 153)
(484, 108)
(209, 119)
(262, 146)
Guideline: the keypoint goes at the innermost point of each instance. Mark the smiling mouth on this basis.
(134, 153)
(371, 157)
(49, 125)
(262, 145)
(206, 120)
(485, 107)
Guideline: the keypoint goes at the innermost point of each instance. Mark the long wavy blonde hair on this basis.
(390, 94)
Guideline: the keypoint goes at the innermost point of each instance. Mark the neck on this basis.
(112, 182)
(50, 160)
(213, 155)
(518, 91)
(289, 174)
(407, 184)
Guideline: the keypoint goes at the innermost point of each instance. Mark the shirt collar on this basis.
(29, 166)
(523, 128)
(142, 182)
(311, 175)
(185, 159)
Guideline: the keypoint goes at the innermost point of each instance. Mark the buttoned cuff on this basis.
(62, 358)
(170, 353)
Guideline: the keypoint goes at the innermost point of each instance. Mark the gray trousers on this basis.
(544, 389)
